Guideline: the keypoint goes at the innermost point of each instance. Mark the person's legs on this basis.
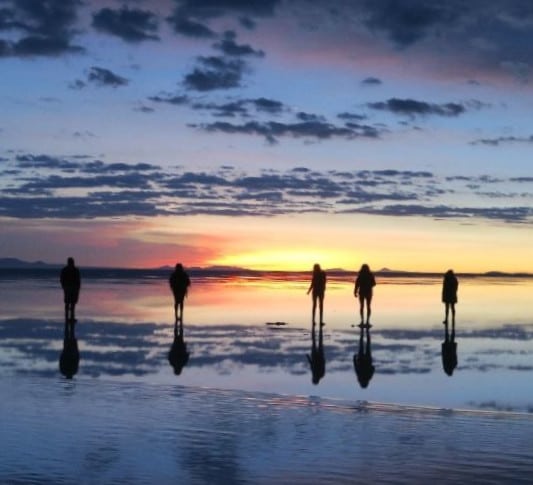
(181, 312)
(321, 308)
(361, 307)
(368, 308)
(314, 307)
(453, 312)
(446, 312)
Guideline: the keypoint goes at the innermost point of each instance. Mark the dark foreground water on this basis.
(57, 431)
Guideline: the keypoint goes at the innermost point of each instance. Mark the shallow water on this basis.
(124, 335)
(89, 431)
(244, 409)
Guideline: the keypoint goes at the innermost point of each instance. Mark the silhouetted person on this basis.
(364, 284)
(362, 361)
(449, 294)
(70, 357)
(449, 350)
(316, 359)
(178, 355)
(318, 287)
(71, 283)
(179, 283)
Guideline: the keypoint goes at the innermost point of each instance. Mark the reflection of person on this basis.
(362, 361)
(449, 294)
(317, 360)
(178, 355)
(70, 357)
(318, 287)
(71, 283)
(179, 283)
(449, 350)
(364, 283)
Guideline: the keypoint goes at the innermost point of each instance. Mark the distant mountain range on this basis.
(14, 263)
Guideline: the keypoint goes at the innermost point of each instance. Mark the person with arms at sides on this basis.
(71, 283)
(449, 294)
(318, 287)
(179, 284)
(364, 284)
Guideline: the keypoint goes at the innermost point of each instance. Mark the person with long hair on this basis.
(318, 287)
(449, 294)
(364, 284)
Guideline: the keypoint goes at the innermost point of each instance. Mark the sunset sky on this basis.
(268, 134)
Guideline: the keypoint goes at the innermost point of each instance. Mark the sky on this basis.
(268, 134)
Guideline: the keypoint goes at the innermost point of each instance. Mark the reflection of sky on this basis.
(125, 332)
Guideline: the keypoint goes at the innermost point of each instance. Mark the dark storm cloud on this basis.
(41, 186)
(105, 77)
(43, 28)
(131, 25)
(215, 73)
(229, 47)
(412, 107)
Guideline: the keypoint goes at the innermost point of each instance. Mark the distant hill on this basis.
(14, 263)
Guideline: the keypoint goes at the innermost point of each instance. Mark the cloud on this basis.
(190, 28)
(43, 28)
(229, 47)
(131, 25)
(42, 186)
(206, 9)
(371, 81)
(412, 107)
(215, 73)
(501, 140)
(310, 129)
(104, 77)
(408, 22)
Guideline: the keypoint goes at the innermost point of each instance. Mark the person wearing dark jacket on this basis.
(364, 284)
(179, 282)
(71, 283)
(449, 294)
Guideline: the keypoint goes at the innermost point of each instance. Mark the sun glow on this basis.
(287, 260)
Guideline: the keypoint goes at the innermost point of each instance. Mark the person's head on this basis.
(179, 267)
(449, 272)
(70, 261)
(364, 269)
(316, 268)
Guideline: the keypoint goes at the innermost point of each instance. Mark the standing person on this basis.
(364, 283)
(449, 294)
(71, 283)
(318, 287)
(179, 283)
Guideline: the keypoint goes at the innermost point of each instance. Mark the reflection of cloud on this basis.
(114, 349)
